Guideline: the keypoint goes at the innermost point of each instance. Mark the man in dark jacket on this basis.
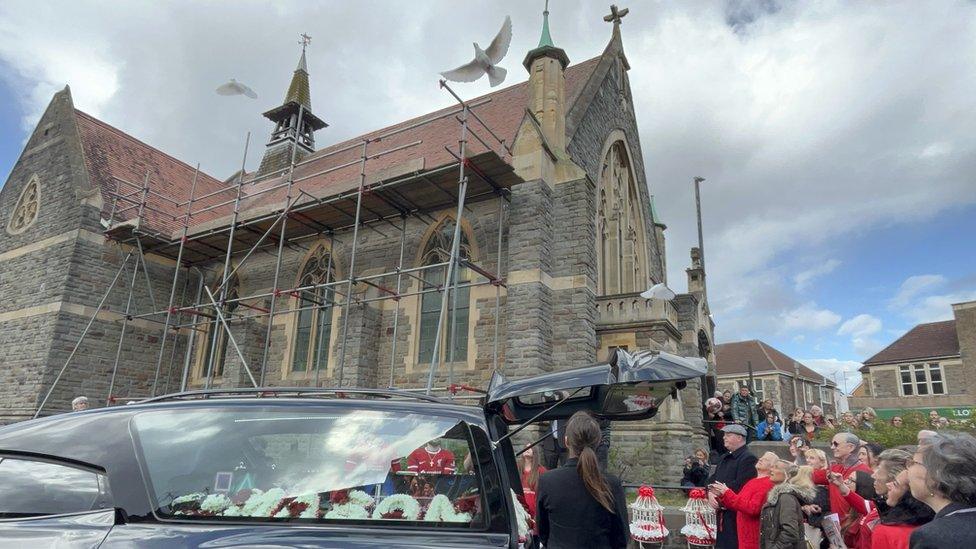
(734, 469)
(744, 411)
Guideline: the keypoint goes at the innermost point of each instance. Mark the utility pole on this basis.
(701, 240)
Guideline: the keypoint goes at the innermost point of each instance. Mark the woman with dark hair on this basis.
(529, 470)
(578, 506)
(868, 454)
(942, 475)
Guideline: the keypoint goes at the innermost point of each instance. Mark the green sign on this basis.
(958, 413)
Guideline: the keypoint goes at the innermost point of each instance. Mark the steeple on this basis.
(546, 48)
(295, 124)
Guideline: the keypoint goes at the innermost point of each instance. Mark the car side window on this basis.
(31, 488)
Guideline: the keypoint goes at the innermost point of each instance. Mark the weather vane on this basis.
(305, 39)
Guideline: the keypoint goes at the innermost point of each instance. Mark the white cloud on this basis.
(937, 307)
(861, 330)
(809, 317)
(803, 279)
(914, 286)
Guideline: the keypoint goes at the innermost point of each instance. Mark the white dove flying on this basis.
(236, 88)
(486, 61)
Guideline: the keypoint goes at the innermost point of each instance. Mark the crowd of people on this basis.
(858, 493)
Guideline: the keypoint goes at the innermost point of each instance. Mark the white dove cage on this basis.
(647, 520)
(700, 524)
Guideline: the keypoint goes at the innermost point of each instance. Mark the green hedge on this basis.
(889, 436)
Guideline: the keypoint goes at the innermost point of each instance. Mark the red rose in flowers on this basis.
(296, 508)
(394, 514)
(464, 505)
(339, 497)
(646, 492)
(281, 505)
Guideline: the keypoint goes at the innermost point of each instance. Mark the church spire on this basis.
(546, 48)
(295, 125)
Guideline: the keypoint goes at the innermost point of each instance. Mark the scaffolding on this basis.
(474, 177)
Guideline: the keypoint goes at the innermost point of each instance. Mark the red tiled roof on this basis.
(734, 358)
(934, 339)
(110, 153)
(503, 113)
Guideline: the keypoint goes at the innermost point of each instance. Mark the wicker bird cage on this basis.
(647, 522)
(700, 521)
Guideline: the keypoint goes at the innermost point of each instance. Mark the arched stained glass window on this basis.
(437, 251)
(313, 328)
(622, 250)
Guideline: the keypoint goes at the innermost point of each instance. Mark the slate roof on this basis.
(935, 339)
(111, 154)
(733, 358)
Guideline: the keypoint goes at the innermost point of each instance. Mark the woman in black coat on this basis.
(579, 506)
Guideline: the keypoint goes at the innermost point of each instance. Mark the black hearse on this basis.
(303, 467)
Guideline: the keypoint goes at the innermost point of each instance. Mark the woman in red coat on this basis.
(530, 471)
(748, 503)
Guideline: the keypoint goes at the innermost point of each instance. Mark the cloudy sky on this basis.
(837, 138)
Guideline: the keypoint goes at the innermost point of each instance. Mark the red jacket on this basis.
(862, 533)
(892, 536)
(747, 504)
(837, 503)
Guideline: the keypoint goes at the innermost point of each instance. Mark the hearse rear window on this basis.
(324, 465)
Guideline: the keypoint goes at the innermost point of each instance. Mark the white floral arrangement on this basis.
(261, 504)
(398, 504)
(215, 503)
(697, 532)
(441, 509)
(197, 496)
(306, 506)
(361, 498)
(647, 531)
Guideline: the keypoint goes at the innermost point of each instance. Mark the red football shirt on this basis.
(423, 461)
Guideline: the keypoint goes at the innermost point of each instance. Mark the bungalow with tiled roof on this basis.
(786, 381)
(558, 237)
(931, 367)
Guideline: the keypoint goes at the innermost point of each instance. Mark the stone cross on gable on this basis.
(615, 15)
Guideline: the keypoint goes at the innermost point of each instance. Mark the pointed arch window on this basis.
(27, 207)
(622, 253)
(214, 337)
(454, 342)
(313, 329)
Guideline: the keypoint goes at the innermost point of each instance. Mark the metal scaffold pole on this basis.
(211, 367)
(347, 308)
(396, 299)
(84, 333)
(281, 249)
(497, 283)
(125, 325)
(190, 338)
(176, 276)
(455, 244)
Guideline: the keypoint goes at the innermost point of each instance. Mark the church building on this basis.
(127, 273)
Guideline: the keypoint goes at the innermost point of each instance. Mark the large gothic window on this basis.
(214, 336)
(25, 211)
(313, 328)
(622, 252)
(438, 250)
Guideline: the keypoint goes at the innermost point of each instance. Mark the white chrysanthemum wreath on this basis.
(441, 509)
(399, 504)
